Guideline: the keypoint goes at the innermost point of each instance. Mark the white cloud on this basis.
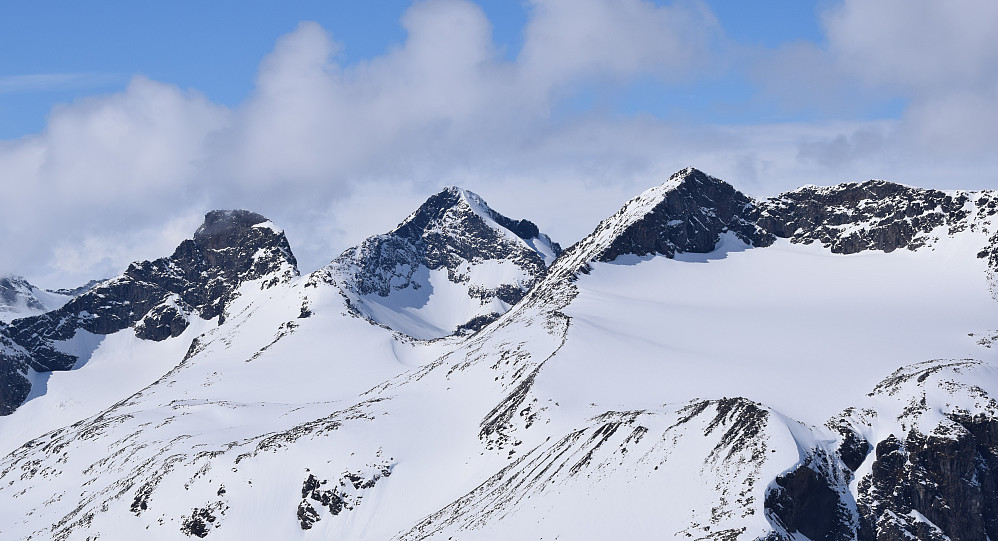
(922, 45)
(568, 41)
(103, 167)
(938, 60)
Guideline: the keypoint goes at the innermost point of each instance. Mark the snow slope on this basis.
(703, 366)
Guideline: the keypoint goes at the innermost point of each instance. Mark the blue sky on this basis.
(56, 55)
(121, 123)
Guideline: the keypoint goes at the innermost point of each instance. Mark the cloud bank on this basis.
(335, 152)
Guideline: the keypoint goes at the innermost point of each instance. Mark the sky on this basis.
(122, 123)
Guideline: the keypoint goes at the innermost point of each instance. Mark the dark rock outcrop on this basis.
(941, 485)
(342, 496)
(873, 215)
(690, 218)
(804, 500)
(453, 230)
(157, 297)
(928, 486)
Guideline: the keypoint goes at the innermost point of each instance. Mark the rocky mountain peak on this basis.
(19, 298)
(226, 228)
(235, 246)
(455, 234)
(452, 208)
(687, 213)
(158, 298)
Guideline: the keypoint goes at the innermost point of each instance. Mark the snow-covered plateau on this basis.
(704, 365)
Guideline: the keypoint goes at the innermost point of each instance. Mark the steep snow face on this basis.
(452, 266)
(158, 298)
(18, 298)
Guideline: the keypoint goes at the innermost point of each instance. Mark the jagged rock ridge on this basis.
(690, 212)
(873, 215)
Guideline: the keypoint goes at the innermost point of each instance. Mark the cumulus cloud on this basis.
(943, 57)
(319, 144)
(103, 167)
(571, 40)
(938, 59)
(921, 45)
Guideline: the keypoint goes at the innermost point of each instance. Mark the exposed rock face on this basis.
(157, 297)
(690, 218)
(873, 215)
(812, 500)
(934, 486)
(456, 231)
(943, 485)
(929, 484)
(690, 211)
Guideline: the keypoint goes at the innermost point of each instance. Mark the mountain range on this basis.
(704, 365)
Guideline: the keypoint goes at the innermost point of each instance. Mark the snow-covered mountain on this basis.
(704, 365)
(156, 298)
(18, 298)
(451, 266)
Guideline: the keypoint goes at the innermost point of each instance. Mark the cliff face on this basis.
(934, 486)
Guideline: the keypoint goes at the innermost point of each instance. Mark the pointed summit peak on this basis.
(692, 176)
(479, 261)
(453, 210)
(687, 213)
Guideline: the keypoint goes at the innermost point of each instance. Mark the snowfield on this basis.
(769, 388)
